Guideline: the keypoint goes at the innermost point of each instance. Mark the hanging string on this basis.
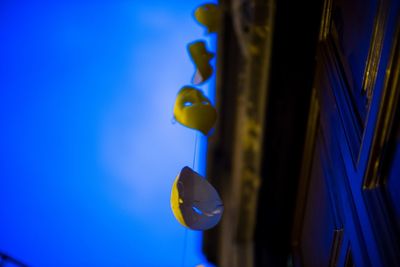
(184, 248)
(195, 150)
(186, 230)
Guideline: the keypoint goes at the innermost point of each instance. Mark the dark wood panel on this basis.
(381, 179)
(349, 262)
(322, 230)
(357, 31)
(334, 92)
(392, 186)
(344, 199)
(353, 36)
(355, 175)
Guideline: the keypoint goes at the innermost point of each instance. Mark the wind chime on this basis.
(194, 201)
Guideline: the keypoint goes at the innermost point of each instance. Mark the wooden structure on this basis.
(306, 154)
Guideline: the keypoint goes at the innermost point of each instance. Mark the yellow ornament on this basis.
(201, 58)
(194, 110)
(194, 202)
(208, 15)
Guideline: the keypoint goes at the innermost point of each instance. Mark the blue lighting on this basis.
(88, 150)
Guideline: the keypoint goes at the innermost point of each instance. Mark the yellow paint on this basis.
(194, 110)
(201, 58)
(208, 15)
(175, 202)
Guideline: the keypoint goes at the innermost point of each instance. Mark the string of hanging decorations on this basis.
(195, 203)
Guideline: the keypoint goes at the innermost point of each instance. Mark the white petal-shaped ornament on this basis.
(194, 201)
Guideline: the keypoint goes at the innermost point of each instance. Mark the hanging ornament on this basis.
(201, 58)
(194, 110)
(194, 202)
(208, 15)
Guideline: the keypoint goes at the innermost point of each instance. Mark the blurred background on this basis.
(305, 152)
(88, 146)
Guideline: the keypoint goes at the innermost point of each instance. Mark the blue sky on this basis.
(88, 149)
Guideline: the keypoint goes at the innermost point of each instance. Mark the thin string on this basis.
(186, 230)
(184, 248)
(195, 150)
